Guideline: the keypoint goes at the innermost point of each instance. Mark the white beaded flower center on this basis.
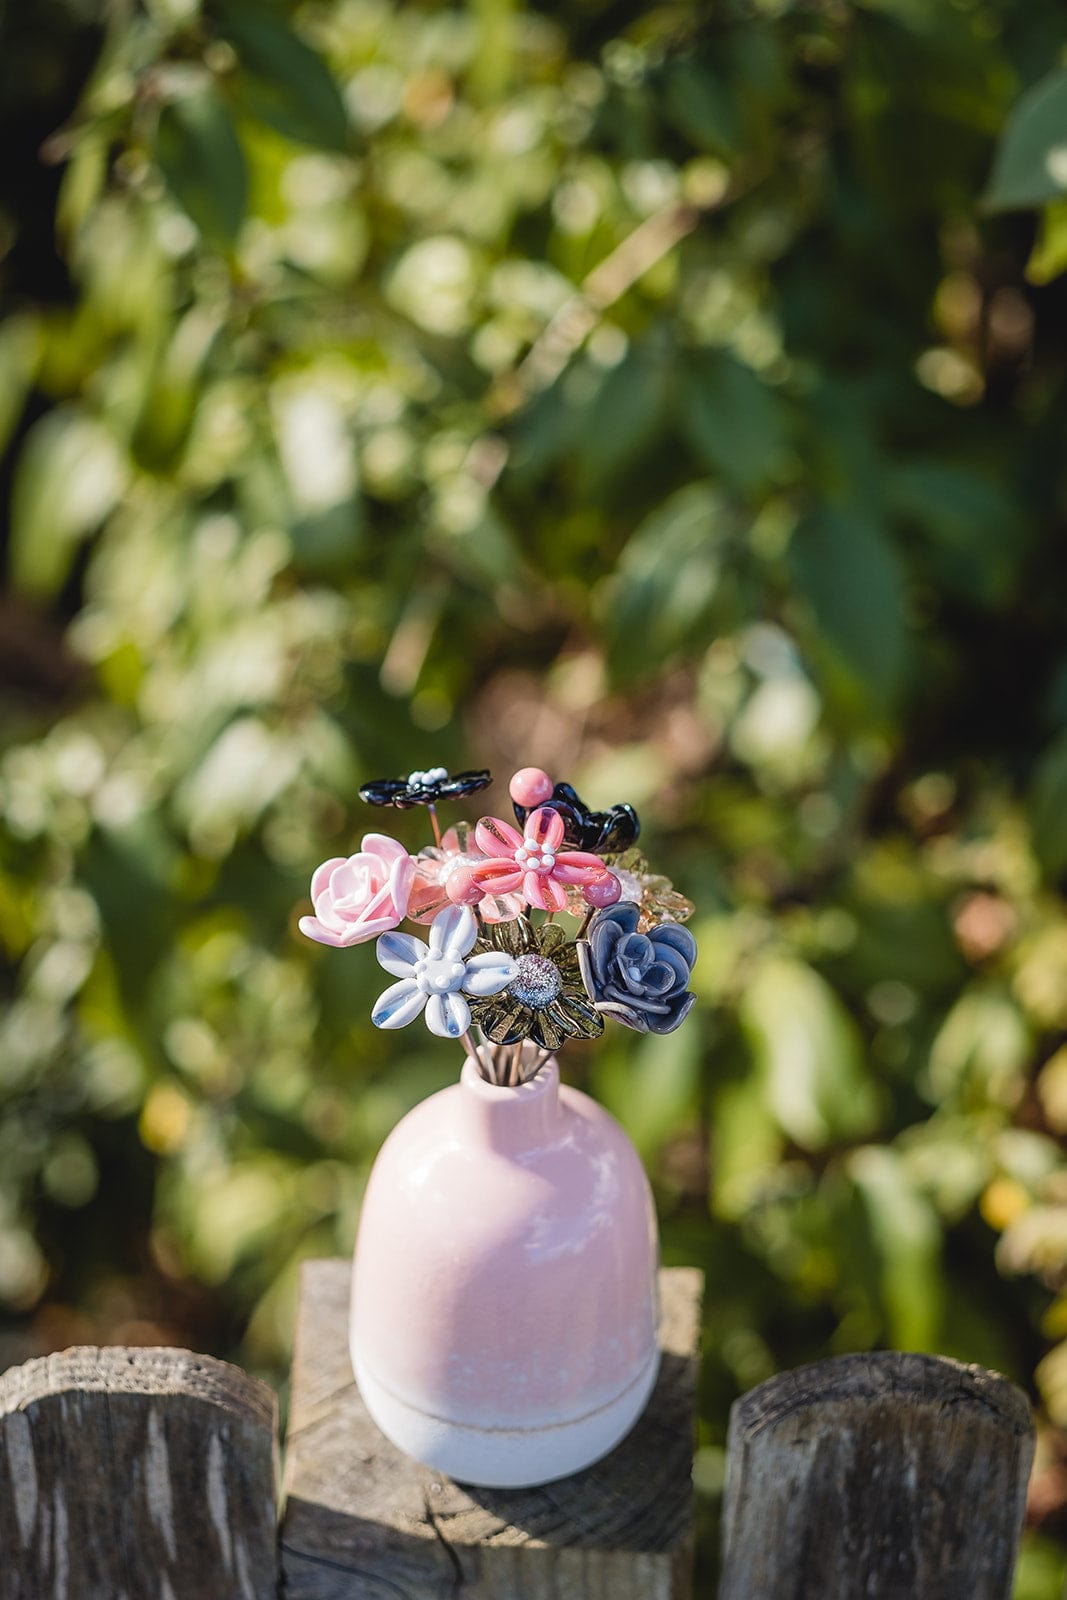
(433, 775)
(439, 974)
(532, 859)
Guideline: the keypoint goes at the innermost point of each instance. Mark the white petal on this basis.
(447, 1015)
(398, 953)
(453, 931)
(398, 1005)
(489, 973)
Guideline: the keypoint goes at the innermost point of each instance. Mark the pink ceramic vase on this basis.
(504, 1299)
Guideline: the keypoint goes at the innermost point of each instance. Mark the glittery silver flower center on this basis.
(537, 982)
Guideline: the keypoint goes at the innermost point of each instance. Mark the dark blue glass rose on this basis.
(639, 978)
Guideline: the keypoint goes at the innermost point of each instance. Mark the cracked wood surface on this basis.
(885, 1476)
(363, 1522)
(136, 1474)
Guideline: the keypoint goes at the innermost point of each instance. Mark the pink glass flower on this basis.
(443, 877)
(532, 860)
(362, 896)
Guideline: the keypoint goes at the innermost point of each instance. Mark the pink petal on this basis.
(314, 929)
(497, 875)
(350, 878)
(504, 909)
(544, 828)
(497, 838)
(401, 879)
(541, 891)
(379, 844)
(321, 877)
(577, 866)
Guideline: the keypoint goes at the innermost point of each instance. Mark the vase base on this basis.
(506, 1458)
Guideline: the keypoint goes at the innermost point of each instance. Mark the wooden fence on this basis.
(150, 1474)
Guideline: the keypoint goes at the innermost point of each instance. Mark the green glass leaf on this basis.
(1030, 165)
(283, 81)
(201, 159)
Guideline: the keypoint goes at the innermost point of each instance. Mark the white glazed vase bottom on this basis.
(505, 1458)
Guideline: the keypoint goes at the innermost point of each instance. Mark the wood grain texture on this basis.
(876, 1477)
(363, 1522)
(136, 1474)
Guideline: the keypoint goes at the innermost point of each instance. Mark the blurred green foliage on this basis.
(677, 403)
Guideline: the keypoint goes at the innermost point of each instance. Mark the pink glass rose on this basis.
(358, 897)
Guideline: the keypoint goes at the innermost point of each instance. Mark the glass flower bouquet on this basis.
(504, 1310)
(498, 969)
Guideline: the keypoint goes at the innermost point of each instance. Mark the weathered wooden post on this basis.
(362, 1522)
(891, 1477)
(141, 1474)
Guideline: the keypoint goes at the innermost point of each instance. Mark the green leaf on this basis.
(746, 1146)
(809, 1055)
(20, 351)
(1030, 165)
(733, 420)
(201, 159)
(977, 534)
(663, 591)
(847, 570)
(700, 106)
(652, 1086)
(906, 1234)
(625, 417)
(1047, 805)
(69, 477)
(1049, 255)
(282, 81)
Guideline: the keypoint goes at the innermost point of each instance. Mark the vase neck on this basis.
(512, 1121)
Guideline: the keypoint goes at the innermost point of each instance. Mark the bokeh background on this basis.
(673, 397)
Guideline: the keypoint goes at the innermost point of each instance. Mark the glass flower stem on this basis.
(475, 1054)
(586, 920)
(435, 824)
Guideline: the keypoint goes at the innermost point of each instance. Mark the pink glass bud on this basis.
(530, 787)
(461, 887)
(602, 891)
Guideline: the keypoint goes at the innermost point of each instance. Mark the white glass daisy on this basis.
(437, 977)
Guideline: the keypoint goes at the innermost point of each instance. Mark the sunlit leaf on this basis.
(70, 475)
(907, 1237)
(809, 1054)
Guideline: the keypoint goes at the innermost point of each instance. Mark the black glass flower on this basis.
(545, 1001)
(639, 978)
(601, 832)
(423, 788)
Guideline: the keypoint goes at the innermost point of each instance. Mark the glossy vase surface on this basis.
(504, 1310)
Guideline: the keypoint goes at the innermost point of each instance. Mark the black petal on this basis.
(601, 832)
(404, 793)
